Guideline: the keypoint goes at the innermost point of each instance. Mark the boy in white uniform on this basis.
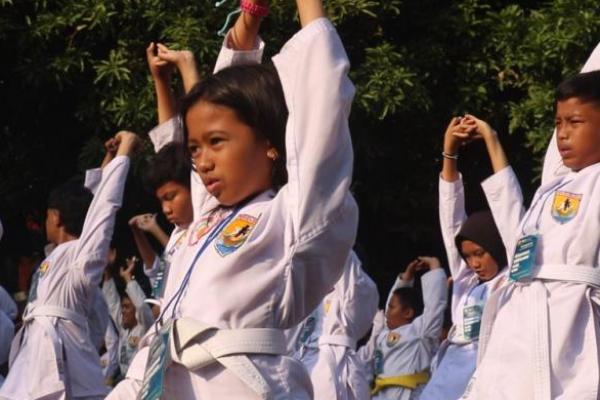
(264, 259)
(326, 341)
(399, 356)
(540, 334)
(52, 356)
(132, 316)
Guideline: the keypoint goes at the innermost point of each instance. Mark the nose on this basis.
(473, 262)
(562, 131)
(204, 162)
(166, 207)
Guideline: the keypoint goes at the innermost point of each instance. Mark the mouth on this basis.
(212, 185)
(565, 151)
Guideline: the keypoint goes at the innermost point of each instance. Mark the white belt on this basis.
(195, 345)
(538, 312)
(338, 340)
(42, 314)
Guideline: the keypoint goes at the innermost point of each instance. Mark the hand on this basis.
(127, 271)
(177, 57)
(430, 262)
(459, 131)
(159, 69)
(482, 129)
(127, 142)
(144, 222)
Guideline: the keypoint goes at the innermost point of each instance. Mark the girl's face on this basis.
(230, 159)
(479, 260)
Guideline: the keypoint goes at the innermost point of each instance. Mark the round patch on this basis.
(202, 227)
(392, 338)
(133, 341)
(44, 267)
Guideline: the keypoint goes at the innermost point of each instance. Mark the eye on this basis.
(194, 150)
(216, 140)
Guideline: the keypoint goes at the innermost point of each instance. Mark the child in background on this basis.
(476, 257)
(399, 355)
(267, 250)
(540, 336)
(132, 316)
(326, 340)
(52, 356)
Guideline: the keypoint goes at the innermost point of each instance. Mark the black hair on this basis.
(171, 164)
(409, 297)
(255, 94)
(72, 201)
(481, 228)
(584, 86)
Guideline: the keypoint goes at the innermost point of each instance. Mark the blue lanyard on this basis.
(213, 234)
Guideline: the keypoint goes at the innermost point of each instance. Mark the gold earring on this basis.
(272, 154)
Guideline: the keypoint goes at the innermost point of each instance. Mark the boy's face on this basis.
(230, 159)
(578, 133)
(128, 319)
(397, 314)
(52, 225)
(176, 202)
(479, 260)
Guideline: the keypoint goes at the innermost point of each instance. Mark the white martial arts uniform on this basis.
(409, 348)
(456, 359)
(326, 342)
(8, 313)
(53, 353)
(110, 359)
(539, 339)
(273, 263)
(128, 338)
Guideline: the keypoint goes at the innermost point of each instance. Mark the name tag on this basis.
(472, 321)
(378, 362)
(156, 366)
(159, 281)
(524, 258)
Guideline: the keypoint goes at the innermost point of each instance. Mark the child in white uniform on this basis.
(132, 316)
(259, 261)
(326, 341)
(476, 257)
(52, 356)
(540, 334)
(399, 356)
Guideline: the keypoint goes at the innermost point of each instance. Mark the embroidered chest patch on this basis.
(202, 227)
(565, 206)
(392, 338)
(43, 268)
(235, 234)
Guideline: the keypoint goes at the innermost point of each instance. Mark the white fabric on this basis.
(326, 341)
(553, 166)
(417, 341)
(456, 360)
(540, 339)
(72, 271)
(98, 319)
(110, 359)
(128, 338)
(299, 239)
(7, 304)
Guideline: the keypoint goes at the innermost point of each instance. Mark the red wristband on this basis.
(254, 9)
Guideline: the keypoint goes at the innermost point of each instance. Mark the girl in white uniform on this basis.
(258, 261)
(476, 257)
(326, 341)
(52, 356)
(540, 335)
(399, 355)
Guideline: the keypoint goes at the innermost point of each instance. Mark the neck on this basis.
(64, 237)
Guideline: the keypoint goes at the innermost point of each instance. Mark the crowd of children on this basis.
(257, 292)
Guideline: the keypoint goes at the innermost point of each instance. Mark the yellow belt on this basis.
(410, 381)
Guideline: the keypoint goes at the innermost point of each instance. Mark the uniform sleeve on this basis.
(7, 304)
(435, 297)
(505, 199)
(360, 298)
(366, 353)
(92, 247)
(113, 300)
(143, 313)
(321, 215)
(169, 131)
(93, 177)
(553, 165)
(229, 57)
(153, 270)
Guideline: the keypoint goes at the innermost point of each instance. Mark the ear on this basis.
(408, 313)
(272, 153)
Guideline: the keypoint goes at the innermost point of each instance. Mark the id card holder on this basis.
(472, 321)
(156, 366)
(159, 280)
(524, 258)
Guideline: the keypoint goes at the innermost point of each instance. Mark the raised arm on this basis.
(93, 244)
(185, 63)
(113, 300)
(161, 72)
(435, 298)
(143, 312)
